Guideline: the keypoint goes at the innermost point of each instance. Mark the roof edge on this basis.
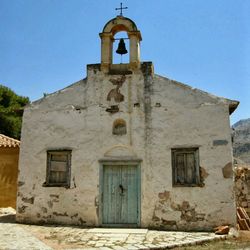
(119, 17)
(56, 92)
(233, 104)
(8, 142)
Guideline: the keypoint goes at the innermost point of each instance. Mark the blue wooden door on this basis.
(120, 196)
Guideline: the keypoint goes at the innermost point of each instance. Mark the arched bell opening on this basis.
(115, 26)
(121, 47)
(119, 28)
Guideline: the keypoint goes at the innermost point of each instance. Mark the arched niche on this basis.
(119, 127)
(112, 27)
(120, 150)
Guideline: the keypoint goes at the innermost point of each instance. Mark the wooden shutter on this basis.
(58, 168)
(190, 168)
(185, 167)
(180, 168)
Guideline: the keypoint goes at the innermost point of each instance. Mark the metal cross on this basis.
(121, 8)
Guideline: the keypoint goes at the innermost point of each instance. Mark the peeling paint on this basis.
(20, 183)
(60, 214)
(164, 196)
(50, 204)
(46, 217)
(97, 206)
(21, 209)
(82, 222)
(189, 214)
(113, 109)
(171, 215)
(54, 198)
(203, 174)
(168, 222)
(28, 200)
(44, 209)
(74, 216)
(74, 182)
(19, 194)
(227, 170)
(155, 218)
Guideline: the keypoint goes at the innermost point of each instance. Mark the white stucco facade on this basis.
(160, 115)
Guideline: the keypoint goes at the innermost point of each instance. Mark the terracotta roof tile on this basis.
(6, 141)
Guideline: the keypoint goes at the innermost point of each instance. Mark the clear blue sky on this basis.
(46, 44)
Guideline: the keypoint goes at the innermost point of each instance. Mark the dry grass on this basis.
(242, 242)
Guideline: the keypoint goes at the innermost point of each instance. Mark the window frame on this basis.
(193, 150)
(50, 153)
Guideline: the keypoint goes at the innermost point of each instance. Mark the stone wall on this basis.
(242, 187)
(8, 176)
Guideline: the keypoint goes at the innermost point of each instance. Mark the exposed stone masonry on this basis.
(242, 187)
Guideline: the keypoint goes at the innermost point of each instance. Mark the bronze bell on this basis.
(121, 47)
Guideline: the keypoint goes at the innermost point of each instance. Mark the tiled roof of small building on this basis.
(6, 141)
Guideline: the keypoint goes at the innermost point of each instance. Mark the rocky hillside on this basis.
(241, 145)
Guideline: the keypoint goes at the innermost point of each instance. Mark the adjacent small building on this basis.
(9, 154)
(126, 147)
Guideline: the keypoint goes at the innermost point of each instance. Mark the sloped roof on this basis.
(9, 142)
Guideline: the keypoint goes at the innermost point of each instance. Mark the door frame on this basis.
(119, 162)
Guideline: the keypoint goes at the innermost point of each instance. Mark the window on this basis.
(185, 164)
(58, 168)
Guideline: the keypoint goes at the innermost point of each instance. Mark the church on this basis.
(126, 147)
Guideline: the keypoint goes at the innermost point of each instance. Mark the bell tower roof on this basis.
(121, 23)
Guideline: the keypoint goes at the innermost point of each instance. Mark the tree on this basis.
(11, 112)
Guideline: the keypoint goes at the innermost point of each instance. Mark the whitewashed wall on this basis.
(160, 114)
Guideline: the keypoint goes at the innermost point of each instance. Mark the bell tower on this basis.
(115, 25)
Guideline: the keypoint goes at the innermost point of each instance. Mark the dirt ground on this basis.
(59, 237)
(242, 242)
